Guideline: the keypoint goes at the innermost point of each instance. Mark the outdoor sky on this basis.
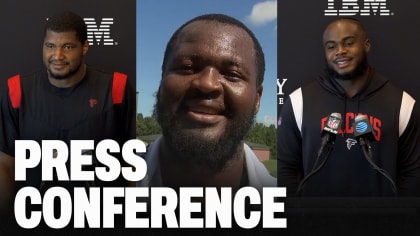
(157, 20)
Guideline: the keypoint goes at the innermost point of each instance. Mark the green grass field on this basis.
(271, 166)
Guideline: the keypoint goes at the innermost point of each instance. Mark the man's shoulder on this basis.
(29, 77)
(96, 73)
(18, 83)
(308, 86)
(101, 72)
(258, 174)
(387, 86)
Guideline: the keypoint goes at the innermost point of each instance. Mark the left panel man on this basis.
(67, 100)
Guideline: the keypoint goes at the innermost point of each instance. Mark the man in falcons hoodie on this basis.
(390, 165)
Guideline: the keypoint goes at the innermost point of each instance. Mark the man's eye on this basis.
(232, 76)
(330, 46)
(187, 67)
(68, 47)
(184, 69)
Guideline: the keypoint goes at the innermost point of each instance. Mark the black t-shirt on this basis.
(101, 106)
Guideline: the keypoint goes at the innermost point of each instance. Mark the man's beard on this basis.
(211, 153)
(358, 71)
(64, 76)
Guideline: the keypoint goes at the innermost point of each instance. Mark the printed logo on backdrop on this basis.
(357, 7)
(99, 32)
(280, 93)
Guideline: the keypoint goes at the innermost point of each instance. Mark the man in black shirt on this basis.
(68, 101)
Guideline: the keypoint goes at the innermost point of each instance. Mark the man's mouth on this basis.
(206, 113)
(342, 63)
(58, 65)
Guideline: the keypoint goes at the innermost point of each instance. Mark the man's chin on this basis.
(340, 73)
(344, 76)
(203, 137)
(58, 76)
(203, 131)
(202, 147)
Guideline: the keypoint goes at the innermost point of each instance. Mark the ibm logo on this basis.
(351, 8)
(99, 35)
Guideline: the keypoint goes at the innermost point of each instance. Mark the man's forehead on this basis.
(66, 34)
(347, 27)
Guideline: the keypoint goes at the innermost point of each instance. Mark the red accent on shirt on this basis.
(118, 87)
(15, 92)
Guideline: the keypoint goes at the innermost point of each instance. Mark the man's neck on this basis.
(354, 85)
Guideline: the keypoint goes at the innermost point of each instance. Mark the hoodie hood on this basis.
(374, 83)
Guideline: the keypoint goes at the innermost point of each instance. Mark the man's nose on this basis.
(340, 50)
(58, 53)
(208, 80)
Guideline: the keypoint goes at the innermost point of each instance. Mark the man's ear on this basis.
(85, 47)
(367, 45)
(258, 98)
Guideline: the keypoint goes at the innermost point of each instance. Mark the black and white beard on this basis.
(193, 147)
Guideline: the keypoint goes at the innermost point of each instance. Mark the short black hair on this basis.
(225, 19)
(354, 20)
(67, 21)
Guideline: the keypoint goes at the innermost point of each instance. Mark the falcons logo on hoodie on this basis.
(350, 142)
